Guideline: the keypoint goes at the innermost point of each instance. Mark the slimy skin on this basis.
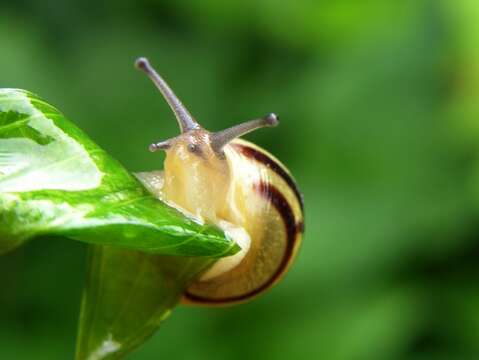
(234, 184)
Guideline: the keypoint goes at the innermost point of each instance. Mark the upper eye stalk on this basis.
(188, 123)
(185, 120)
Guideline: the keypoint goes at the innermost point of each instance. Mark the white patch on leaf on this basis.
(107, 347)
(25, 165)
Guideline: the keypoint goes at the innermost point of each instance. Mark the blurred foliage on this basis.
(378, 102)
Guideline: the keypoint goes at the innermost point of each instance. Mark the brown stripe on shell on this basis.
(300, 227)
(277, 199)
(261, 157)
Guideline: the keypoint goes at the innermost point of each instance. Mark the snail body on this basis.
(220, 179)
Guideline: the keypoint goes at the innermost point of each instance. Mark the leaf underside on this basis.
(127, 295)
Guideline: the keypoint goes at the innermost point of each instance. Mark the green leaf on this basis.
(127, 295)
(56, 180)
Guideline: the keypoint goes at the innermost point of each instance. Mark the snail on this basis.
(220, 179)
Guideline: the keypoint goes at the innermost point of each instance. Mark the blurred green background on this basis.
(379, 107)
